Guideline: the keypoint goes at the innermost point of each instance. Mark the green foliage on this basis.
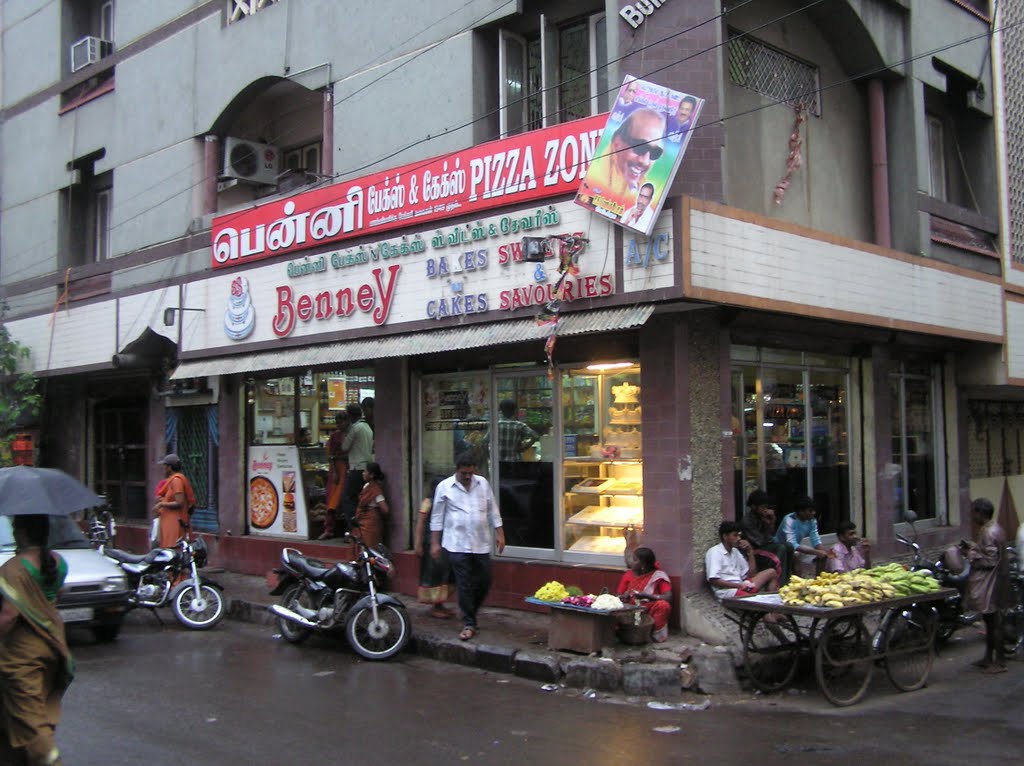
(19, 397)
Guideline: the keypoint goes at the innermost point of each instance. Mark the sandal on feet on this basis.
(439, 612)
(467, 633)
(994, 668)
(981, 663)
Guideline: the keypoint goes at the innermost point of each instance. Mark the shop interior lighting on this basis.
(609, 366)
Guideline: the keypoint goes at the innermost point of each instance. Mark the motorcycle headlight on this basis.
(200, 553)
(382, 564)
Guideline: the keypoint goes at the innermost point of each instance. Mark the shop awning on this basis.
(414, 344)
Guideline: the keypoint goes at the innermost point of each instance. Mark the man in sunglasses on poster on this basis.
(616, 177)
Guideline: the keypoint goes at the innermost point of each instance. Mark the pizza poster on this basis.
(638, 154)
(276, 502)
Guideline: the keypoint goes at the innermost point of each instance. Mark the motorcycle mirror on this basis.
(909, 516)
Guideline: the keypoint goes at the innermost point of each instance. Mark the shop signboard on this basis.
(517, 170)
(638, 155)
(473, 270)
(276, 502)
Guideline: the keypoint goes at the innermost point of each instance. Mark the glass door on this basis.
(523, 442)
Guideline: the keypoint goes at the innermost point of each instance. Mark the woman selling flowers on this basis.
(647, 585)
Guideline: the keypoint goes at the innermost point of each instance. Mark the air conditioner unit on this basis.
(89, 50)
(250, 161)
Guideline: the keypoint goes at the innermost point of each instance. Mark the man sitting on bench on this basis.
(730, 567)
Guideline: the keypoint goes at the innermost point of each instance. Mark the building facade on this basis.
(221, 222)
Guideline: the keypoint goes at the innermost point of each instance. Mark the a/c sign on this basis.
(635, 14)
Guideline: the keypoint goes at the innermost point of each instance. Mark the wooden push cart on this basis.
(845, 652)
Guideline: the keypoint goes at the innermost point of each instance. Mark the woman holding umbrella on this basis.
(35, 663)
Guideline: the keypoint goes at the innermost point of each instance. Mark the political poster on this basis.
(638, 154)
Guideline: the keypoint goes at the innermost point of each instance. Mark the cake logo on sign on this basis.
(240, 318)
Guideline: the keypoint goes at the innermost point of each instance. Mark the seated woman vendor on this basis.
(645, 584)
(730, 567)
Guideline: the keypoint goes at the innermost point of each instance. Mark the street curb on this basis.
(636, 674)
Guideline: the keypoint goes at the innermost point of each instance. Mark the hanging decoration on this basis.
(795, 159)
(570, 246)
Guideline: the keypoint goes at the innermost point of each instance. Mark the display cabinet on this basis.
(604, 499)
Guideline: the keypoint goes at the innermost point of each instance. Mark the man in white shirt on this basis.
(730, 568)
(463, 515)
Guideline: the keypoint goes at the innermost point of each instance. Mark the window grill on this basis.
(759, 67)
(193, 433)
(1013, 72)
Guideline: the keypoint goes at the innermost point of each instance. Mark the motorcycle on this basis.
(316, 597)
(951, 614)
(155, 579)
(1013, 616)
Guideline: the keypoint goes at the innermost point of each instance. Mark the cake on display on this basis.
(624, 417)
(240, 318)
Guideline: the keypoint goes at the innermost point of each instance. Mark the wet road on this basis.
(236, 695)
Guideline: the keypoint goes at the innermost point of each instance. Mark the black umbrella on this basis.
(25, 490)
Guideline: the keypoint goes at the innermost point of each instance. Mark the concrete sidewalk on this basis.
(515, 642)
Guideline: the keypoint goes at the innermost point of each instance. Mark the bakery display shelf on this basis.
(608, 516)
(599, 544)
(624, 487)
(593, 485)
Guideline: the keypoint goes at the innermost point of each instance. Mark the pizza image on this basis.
(262, 502)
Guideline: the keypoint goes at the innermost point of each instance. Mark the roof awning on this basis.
(414, 344)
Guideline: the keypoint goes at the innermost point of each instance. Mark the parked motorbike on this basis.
(316, 597)
(155, 578)
(1013, 616)
(951, 614)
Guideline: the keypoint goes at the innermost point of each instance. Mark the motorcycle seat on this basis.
(131, 558)
(311, 568)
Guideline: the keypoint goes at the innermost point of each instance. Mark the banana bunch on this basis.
(835, 589)
(903, 582)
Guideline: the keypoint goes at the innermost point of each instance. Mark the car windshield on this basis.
(64, 533)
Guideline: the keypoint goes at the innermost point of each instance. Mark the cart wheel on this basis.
(908, 644)
(771, 651)
(843, 661)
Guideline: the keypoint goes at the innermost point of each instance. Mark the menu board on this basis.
(276, 500)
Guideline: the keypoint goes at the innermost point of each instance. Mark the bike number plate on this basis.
(80, 614)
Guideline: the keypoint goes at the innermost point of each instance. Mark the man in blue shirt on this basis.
(800, 524)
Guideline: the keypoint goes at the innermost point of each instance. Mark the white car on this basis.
(95, 593)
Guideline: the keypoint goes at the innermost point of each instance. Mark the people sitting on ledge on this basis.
(730, 568)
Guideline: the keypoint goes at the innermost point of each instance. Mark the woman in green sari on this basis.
(35, 664)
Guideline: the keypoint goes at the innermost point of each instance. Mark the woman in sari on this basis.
(35, 664)
(372, 507)
(337, 469)
(647, 585)
(435, 574)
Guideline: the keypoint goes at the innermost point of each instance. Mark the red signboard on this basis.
(513, 171)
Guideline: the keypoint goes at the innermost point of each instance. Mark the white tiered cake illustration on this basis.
(240, 318)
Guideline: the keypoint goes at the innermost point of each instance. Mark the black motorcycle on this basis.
(951, 614)
(316, 597)
(156, 580)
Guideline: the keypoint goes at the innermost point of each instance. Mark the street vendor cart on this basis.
(581, 628)
(845, 652)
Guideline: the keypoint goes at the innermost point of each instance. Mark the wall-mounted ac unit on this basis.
(250, 161)
(89, 50)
